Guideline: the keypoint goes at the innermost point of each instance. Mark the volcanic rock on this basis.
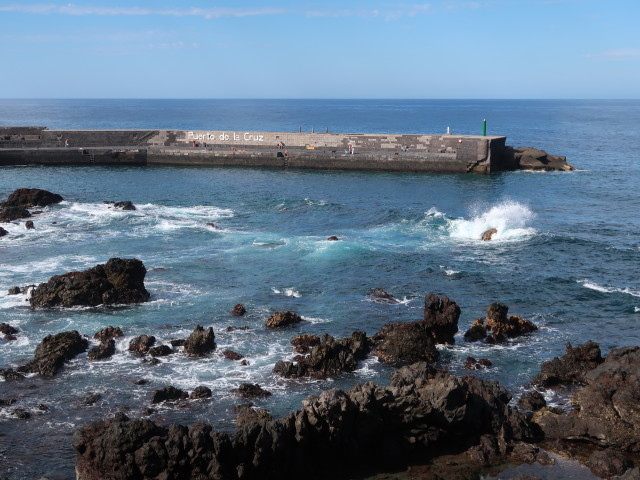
(15, 291)
(7, 329)
(125, 205)
(29, 225)
(423, 411)
(160, 351)
(54, 350)
(105, 349)
(303, 343)
(486, 236)
(9, 214)
(32, 197)
(3, 232)
(333, 238)
(532, 401)
(108, 333)
(441, 318)
(282, 319)
(403, 343)
(119, 281)
(528, 158)
(380, 296)
(498, 326)
(238, 310)
(200, 392)
(571, 367)
(477, 331)
(141, 344)
(251, 390)
(328, 358)
(10, 375)
(473, 364)
(168, 394)
(200, 342)
(246, 414)
(231, 355)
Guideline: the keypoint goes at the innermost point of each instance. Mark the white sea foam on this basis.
(433, 213)
(287, 292)
(636, 309)
(316, 320)
(635, 291)
(510, 219)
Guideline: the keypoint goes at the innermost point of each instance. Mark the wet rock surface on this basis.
(9, 214)
(497, 327)
(403, 343)
(141, 344)
(53, 351)
(32, 197)
(200, 342)
(380, 296)
(283, 319)
(169, 394)
(441, 317)
(238, 310)
(104, 349)
(251, 390)
(119, 281)
(571, 367)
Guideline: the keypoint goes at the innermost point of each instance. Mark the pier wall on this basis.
(322, 151)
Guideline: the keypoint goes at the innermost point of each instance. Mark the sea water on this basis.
(566, 255)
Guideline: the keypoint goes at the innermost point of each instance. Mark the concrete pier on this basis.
(320, 151)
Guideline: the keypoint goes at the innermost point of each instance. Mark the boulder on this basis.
(329, 358)
(231, 355)
(246, 414)
(333, 238)
(403, 343)
(497, 326)
(119, 281)
(124, 205)
(532, 401)
(303, 343)
(282, 319)
(571, 367)
(9, 214)
(251, 390)
(7, 329)
(528, 158)
(105, 349)
(169, 394)
(141, 344)
(29, 225)
(487, 235)
(108, 333)
(10, 375)
(54, 350)
(32, 197)
(14, 291)
(238, 310)
(473, 364)
(441, 318)
(477, 331)
(380, 296)
(200, 392)
(200, 342)
(160, 351)
(3, 232)
(422, 413)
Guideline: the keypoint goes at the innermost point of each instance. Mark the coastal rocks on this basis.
(246, 414)
(231, 355)
(32, 197)
(8, 331)
(380, 296)
(487, 235)
(54, 350)
(532, 401)
(119, 281)
(160, 351)
(168, 394)
(304, 343)
(104, 349)
(473, 364)
(108, 333)
(29, 225)
(10, 375)
(328, 358)
(283, 319)
(141, 344)
(441, 318)
(200, 342)
(403, 343)
(571, 367)
(251, 390)
(9, 214)
(332, 238)
(124, 205)
(528, 158)
(238, 310)
(200, 393)
(497, 326)
(3, 232)
(423, 411)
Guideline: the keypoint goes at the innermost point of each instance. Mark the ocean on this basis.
(566, 256)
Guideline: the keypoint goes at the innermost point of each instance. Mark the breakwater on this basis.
(320, 151)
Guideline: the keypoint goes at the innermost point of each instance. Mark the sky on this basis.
(449, 49)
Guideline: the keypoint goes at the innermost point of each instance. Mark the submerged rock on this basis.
(119, 281)
(231, 355)
(282, 319)
(380, 296)
(124, 205)
(32, 197)
(200, 392)
(29, 225)
(54, 350)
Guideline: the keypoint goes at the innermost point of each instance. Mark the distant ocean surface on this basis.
(566, 256)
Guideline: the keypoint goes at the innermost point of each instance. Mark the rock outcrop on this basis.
(124, 205)
(441, 317)
(380, 296)
(328, 358)
(488, 234)
(238, 310)
(251, 390)
(422, 412)
(54, 350)
(497, 326)
(571, 367)
(200, 342)
(3, 232)
(119, 281)
(169, 394)
(9, 214)
(304, 343)
(403, 343)
(141, 344)
(283, 319)
(32, 197)
(105, 349)
(528, 158)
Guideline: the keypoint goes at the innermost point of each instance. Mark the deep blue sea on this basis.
(567, 253)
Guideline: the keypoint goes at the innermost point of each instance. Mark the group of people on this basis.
(351, 149)
(280, 145)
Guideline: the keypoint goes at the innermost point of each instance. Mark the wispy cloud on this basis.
(70, 9)
(617, 54)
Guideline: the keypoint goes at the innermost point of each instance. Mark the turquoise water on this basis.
(566, 255)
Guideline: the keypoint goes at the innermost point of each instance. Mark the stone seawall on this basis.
(321, 151)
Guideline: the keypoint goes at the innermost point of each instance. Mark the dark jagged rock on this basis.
(160, 351)
(303, 343)
(141, 344)
(124, 205)
(231, 355)
(497, 326)
(528, 158)
(7, 329)
(21, 413)
(200, 392)
(91, 399)
(251, 390)
(15, 291)
(282, 319)
(3, 232)
(231, 328)
(441, 318)
(607, 463)
(108, 333)
(169, 394)
(200, 342)
(473, 364)
(571, 367)
(54, 350)
(333, 238)
(10, 375)
(532, 401)
(329, 358)
(119, 281)
(380, 296)
(9, 214)
(238, 310)
(32, 197)
(423, 411)
(488, 235)
(179, 342)
(29, 225)
(403, 343)
(246, 414)
(105, 349)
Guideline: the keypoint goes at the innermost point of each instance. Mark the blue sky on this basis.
(320, 49)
